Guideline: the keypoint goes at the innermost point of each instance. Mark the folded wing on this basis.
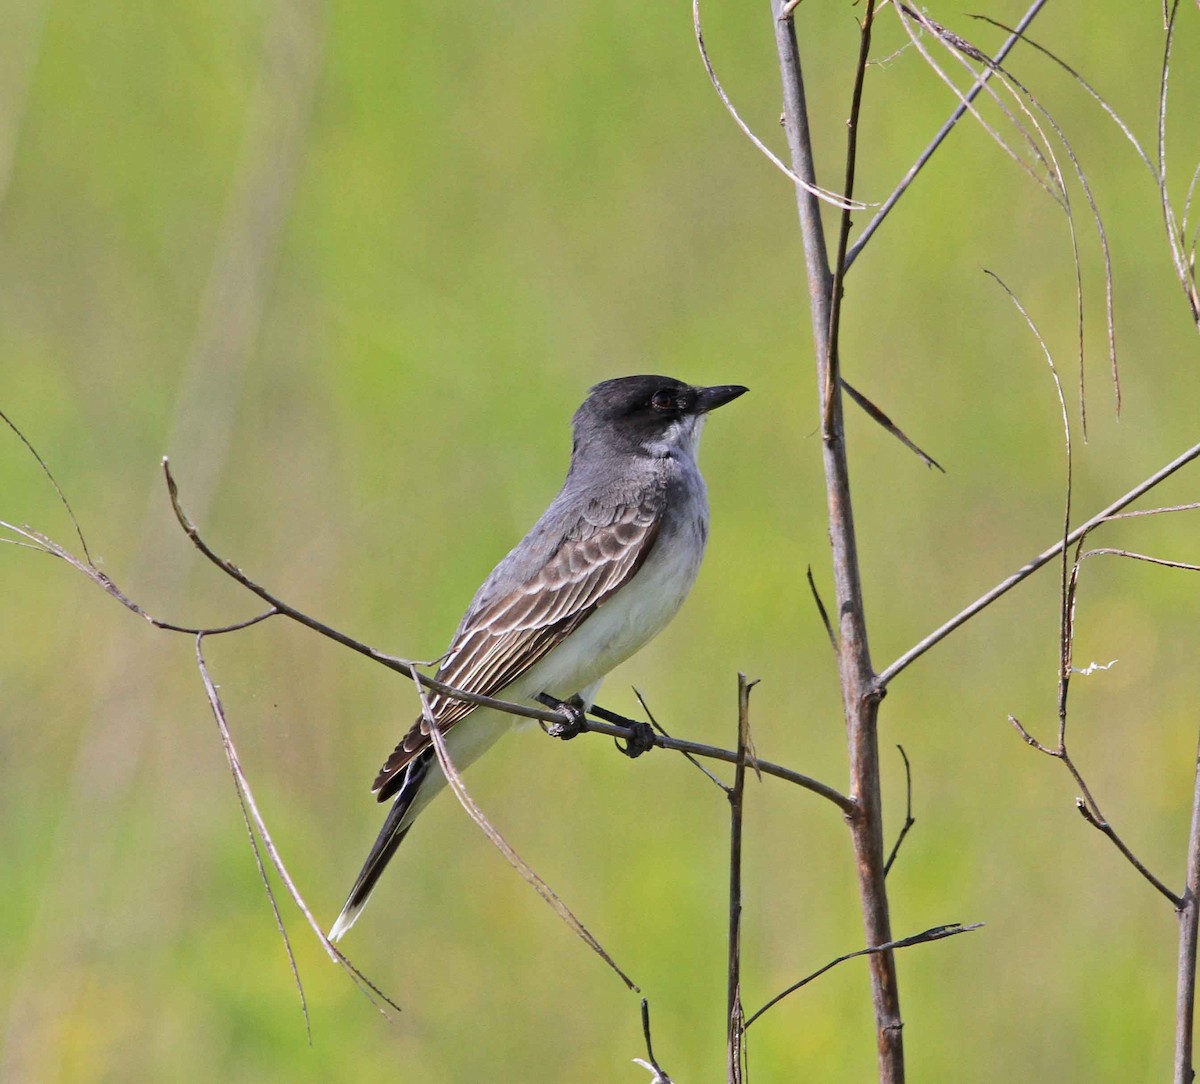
(501, 637)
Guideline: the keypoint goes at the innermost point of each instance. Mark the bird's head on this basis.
(647, 415)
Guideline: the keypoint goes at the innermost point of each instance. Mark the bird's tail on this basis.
(391, 835)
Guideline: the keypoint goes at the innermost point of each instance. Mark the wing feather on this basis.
(502, 637)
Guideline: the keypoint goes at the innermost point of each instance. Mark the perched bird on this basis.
(602, 572)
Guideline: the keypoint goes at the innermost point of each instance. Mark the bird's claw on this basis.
(640, 740)
(574, 718)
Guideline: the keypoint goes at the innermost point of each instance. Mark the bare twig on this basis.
(1090, 810)
(936, 933)
(832, 373)
(438, 741)
(729, 756)
(241, 787)
(1184, 268)
(909, 819)
(45, 469)
(1141, 557)
(877, 415)
(812, 586)
(823, 194)
(403, 666)
(612, 717)
(251, 813)
(1026, 570)
(1066, 607)
(957, 115)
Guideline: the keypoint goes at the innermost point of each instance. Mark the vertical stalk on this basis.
(736, 795)
(1185, 996)
(860, 691)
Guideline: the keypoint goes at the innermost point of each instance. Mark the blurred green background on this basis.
(353, 266)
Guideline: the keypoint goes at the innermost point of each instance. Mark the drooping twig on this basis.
(823, 194)
(1086, 803)
(812, 586)
(1185, 269)
(250, 812)
(878, 416)
(612, 717)
(438, 741)
(241, 787)
(923, 159)
(1066, 608)
(1019, 90)
(909, 819)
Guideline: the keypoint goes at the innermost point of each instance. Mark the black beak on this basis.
(710, 398)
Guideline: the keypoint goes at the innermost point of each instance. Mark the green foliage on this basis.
(482, 212)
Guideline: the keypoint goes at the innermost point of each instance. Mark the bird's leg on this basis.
(641, 735)
(574, 718)
(639, 741)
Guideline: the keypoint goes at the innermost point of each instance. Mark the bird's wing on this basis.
(503, 636)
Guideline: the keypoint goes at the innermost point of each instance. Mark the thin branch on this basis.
(1105, 828)
(617, 730)
(41, 543)
(239, 779)
(957, 115)
(1090, 810)
(403, 666)
(909, 819)
(1066, 606)
(830, 419)
(877, 415)
(936, 933)
(62, 497)
(823, 194)
(1190, 507)
(278, 607)
(438, 741)
(250, 810)
(812, 586)
(1141, 557)
(1026, 570)
(612, 717)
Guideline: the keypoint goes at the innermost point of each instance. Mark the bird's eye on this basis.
(663, 400)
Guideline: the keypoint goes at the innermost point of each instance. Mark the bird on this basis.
(600, 574)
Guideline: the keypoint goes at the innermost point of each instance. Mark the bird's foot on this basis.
(574, 718)
(640, 740)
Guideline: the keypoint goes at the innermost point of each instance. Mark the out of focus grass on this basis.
(352, 267)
